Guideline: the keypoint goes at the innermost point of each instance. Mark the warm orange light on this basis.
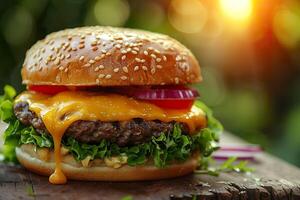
(187, 16)
(238, 10)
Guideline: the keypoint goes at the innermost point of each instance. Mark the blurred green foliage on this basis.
(251, 79)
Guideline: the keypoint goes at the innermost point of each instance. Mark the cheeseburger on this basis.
(109, 104)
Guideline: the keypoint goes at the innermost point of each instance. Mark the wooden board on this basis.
(273, 179)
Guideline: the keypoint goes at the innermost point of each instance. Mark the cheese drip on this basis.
(58, 112)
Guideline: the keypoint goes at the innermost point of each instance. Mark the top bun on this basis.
(107, 56)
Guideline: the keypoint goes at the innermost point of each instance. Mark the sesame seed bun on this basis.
(30, 160)
(107, 56)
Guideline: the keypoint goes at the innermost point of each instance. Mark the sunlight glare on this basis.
(239, 10)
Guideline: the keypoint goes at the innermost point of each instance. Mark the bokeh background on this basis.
(249, 51)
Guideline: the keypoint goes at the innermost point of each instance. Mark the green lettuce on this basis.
(162, 149)
(7, 116)
(6, 104)
(213, 124)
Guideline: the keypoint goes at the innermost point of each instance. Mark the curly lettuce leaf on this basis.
(7, 116)
(29, 136)
(6, 104)
(212, 123)
(163, 149)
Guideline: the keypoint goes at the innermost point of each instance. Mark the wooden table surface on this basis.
(272, 179)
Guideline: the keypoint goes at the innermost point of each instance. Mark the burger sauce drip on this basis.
(57, 131)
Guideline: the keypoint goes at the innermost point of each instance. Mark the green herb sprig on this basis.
(229, 165)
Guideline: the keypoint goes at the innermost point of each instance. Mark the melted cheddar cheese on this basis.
(58, 112)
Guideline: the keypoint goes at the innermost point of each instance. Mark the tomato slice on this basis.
(47, 89)
(173, 104)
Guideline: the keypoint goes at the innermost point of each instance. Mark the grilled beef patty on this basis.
(132, 132)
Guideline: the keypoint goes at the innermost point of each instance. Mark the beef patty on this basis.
(132, 132)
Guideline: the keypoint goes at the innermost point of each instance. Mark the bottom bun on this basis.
(102, 173)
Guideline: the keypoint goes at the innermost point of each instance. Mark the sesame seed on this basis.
(87, 65)
(146, 53)
(108, 54)
(96, 69)
(128, 49)
(116, 70)
(123, 78)
(94, 43)
(152, 70)
(81, 58)
(66, 70)
(81, 46)
(118, 46)
(176, 80)
(101, 75)
(143, 60)
(91, 61)
(136, 68)
(153, 56)
(164, 58)
(97, 58)
(57, 61)
(157, 51)
(158, 59)
(123, 51)
(108, 76)
(103, 51)
(58, 78)
(178, 58)
(150, 48)
(137, 60)
(136, 48)
(125, 69)
(101, 67)
(159, 66)
(144, 68)
(123, 57)
(61, 68)
(74, 49)
(134, 52)
(81, 42)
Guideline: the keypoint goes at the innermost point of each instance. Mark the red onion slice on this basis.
(160, 93)
(241, 152)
